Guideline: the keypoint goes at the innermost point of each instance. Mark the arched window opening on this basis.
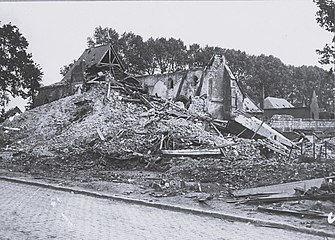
(195, 80)
(170, 83)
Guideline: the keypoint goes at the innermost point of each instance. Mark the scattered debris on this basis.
(82, 135)
(300, 213)
(10, 114)
(115, 125)
(305, 199)
(192, 152)
(204, 197)
(11, 128)
(100, 134)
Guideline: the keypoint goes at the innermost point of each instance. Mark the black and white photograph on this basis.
(131, 120)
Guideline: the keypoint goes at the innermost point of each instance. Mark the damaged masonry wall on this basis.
(223, 96)
(52, 93)
(93, 60)
(216, 83)
(289, 124)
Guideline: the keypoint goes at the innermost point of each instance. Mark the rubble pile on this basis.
(239, 171)
(90, 133)
(88, 129)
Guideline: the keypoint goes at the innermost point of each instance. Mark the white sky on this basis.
(57, 31)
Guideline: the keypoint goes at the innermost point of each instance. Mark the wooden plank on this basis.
(238, 135)
(219, 121)
(257, 129)
(262, 129)
(216, 130)
(131, 100)
(177, 114)
(253, 195)
(281, 149)
(145, 101)
(285, 188)
(11, 129)
(107, 64)
(330, 196)
(100, 134)
(300, 213)
(161, 143)
(223, 146)
(108, 89)
(192, 152)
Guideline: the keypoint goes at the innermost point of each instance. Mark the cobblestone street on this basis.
(31, 212)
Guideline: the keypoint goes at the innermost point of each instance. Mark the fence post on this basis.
(313, 146)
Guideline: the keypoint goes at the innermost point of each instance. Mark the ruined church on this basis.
(215, 83)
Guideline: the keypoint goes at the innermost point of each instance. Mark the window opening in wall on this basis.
(235, 100)
(170, 83)
(195, 80)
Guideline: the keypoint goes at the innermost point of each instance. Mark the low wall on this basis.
(302, 112)
(52, 93)
(287, 125)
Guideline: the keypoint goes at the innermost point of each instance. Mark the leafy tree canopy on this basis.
(260, 76)
(325, 17)
(19, 75)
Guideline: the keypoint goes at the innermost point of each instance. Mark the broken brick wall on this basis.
(218, 89)
(288, 125)
(170, 85)
(224, 93)
(194, 82)
(236, 96)
(301, 112)
(77, 73)
(52, 93)
(224, 96)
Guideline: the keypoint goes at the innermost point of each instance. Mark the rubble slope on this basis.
(86, 135)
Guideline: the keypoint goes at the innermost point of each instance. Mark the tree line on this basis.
(19, 74)
(325, 17)
(260, 76)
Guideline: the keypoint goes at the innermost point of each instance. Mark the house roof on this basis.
(94, 56)
(11, 112)
(272, 102)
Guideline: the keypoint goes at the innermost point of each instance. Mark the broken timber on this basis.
(262, 129)
(329, 196)
(100, 134)
(278, 148)
(192, 152)
(300, 213)
(145, 101)
(248, 126)
(11, 129)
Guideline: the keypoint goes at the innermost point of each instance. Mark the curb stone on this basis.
(215, 214)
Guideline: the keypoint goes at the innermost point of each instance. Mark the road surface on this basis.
(31, 212)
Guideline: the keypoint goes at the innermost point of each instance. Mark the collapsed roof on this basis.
(98, 58)
(272, 102)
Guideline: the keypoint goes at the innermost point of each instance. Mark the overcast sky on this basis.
(57, 31)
